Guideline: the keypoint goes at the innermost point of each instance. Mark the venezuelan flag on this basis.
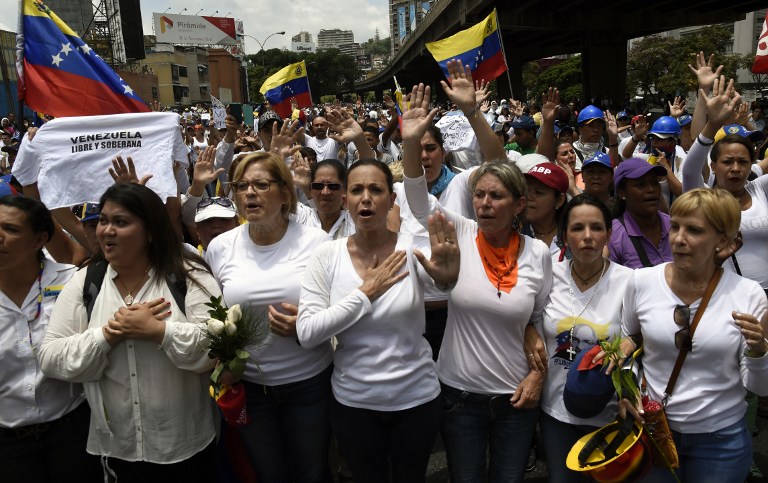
(61, 75)
(478, 47)
(290, 82)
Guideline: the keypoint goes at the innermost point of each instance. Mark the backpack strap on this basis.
(94, 277)
(638, 244)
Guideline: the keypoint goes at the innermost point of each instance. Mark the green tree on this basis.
(566, 76)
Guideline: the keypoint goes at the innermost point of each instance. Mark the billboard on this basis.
(413, 16)
(190, 29)
(401, 23)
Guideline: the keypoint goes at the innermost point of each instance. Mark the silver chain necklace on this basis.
(571, 351)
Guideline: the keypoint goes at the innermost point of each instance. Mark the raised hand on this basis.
(705, 75)
(381, 277)
(677, 108)
(461, 90)
(723, 103)
(343, 126)
(301, 172)
(485, 106)
(641, 128)
(123, 173)
(443, 265)
(741, 115)
(282, 140)
(203, 172)
(550, 104)
(416, 115)
(482, 91)
(611, 127)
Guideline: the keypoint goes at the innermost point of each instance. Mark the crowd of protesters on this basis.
(411, 291)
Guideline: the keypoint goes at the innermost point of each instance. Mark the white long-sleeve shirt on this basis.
(382, 361)
(482, 349)
(28, 397)
(148, 402)
(709, 393)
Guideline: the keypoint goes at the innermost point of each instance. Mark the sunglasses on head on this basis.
(206, 202)
(321, 186)
(682, 317)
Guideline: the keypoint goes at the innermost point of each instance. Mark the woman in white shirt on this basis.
(261, 264)
(386, 412)
(726, 353)
(582, 310)
(489, 394)
(43, 422)
(328, 180)
(139, 354)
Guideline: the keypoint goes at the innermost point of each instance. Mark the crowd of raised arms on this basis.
(411, 292)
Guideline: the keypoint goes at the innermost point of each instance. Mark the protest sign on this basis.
(457, 133)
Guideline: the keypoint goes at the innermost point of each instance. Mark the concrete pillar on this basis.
(604, 67)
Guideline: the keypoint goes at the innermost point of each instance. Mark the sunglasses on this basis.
(321, 186)
(206, 202)
(85, 210)
(682, 317)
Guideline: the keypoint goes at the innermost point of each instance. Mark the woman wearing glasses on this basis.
(261, 263)
(724, 353)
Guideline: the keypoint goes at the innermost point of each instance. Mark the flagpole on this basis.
(501, 41)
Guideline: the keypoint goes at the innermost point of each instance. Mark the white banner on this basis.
(73, 154)
(457, 133)
(191, 29)
(219, 113)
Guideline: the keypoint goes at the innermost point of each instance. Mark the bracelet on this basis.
(477, 106)
(754, 355)
(704, 143)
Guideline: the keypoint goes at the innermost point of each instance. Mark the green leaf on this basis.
(241, 354)
(216, 374)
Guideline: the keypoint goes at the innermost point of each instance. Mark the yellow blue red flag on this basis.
(289, 83)
(478, 47)
(61, 75)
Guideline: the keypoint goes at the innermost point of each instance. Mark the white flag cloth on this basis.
(70, 157)
(219, 113)
(457, 133)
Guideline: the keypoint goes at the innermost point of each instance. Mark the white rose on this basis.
(234, 314)
(229, 327)
(215, 326)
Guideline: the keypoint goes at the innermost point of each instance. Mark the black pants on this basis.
(198, 468)
(50, 452)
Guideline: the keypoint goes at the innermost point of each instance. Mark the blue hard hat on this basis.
(665, 127)
(684, 120)
(589, 113)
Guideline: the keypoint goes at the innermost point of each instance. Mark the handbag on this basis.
(664, 450)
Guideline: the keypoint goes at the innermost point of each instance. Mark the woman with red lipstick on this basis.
(490, 396)
(367, 290)
(731, 162)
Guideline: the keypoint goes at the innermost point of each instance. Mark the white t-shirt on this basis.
(270, 275)
(325, 148)
(599, 321)
(307, 215)
(456, 196)
(709, 393)
(482, 349)
(382, 362)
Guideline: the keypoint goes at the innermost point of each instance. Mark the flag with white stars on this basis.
(59, 74)
(287, 86)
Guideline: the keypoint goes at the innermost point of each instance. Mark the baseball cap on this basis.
(587, 388)
(623, 115)
(14, 147)
(373, 115)
(215, 207)
(524, 122)
(754, 136)
(528, 161)
(685, 120)
(86, 212)
(266, 117)
(6, 188)
(659, 135)
(600, 158)
(634, 168)
(551, 175)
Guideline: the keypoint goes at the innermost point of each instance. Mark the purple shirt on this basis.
(622, 251)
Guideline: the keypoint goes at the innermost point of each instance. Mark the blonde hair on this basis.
(509, 175)
(719, 207)
(278, 170)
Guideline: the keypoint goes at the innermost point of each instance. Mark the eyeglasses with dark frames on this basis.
(259, 185)
(321, 186)
(682, 317)
(218, 200)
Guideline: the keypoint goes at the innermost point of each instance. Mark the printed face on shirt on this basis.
(368, 198)
(432, 157)
(642, 195)
(495, 207)
(18, 241)
(328, 202)
(543, 201)
(122, 236)
(566, 155)
(693, 240)
(732, 167)
(586, 233)
(261, 207)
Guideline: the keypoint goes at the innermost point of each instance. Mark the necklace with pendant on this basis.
(129, 299)
(571, 351)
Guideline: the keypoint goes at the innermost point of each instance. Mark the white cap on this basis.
(215, 210)
(373, 115)
(528, 161)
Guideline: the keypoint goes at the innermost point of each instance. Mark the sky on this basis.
(264, 17)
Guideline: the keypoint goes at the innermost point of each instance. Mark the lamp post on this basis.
(261, 44)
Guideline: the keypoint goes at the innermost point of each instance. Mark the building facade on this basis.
(404, 17)
(333, 38)
(302, 42)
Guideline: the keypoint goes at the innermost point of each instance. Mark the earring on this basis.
(717, 249)
(516, 224)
